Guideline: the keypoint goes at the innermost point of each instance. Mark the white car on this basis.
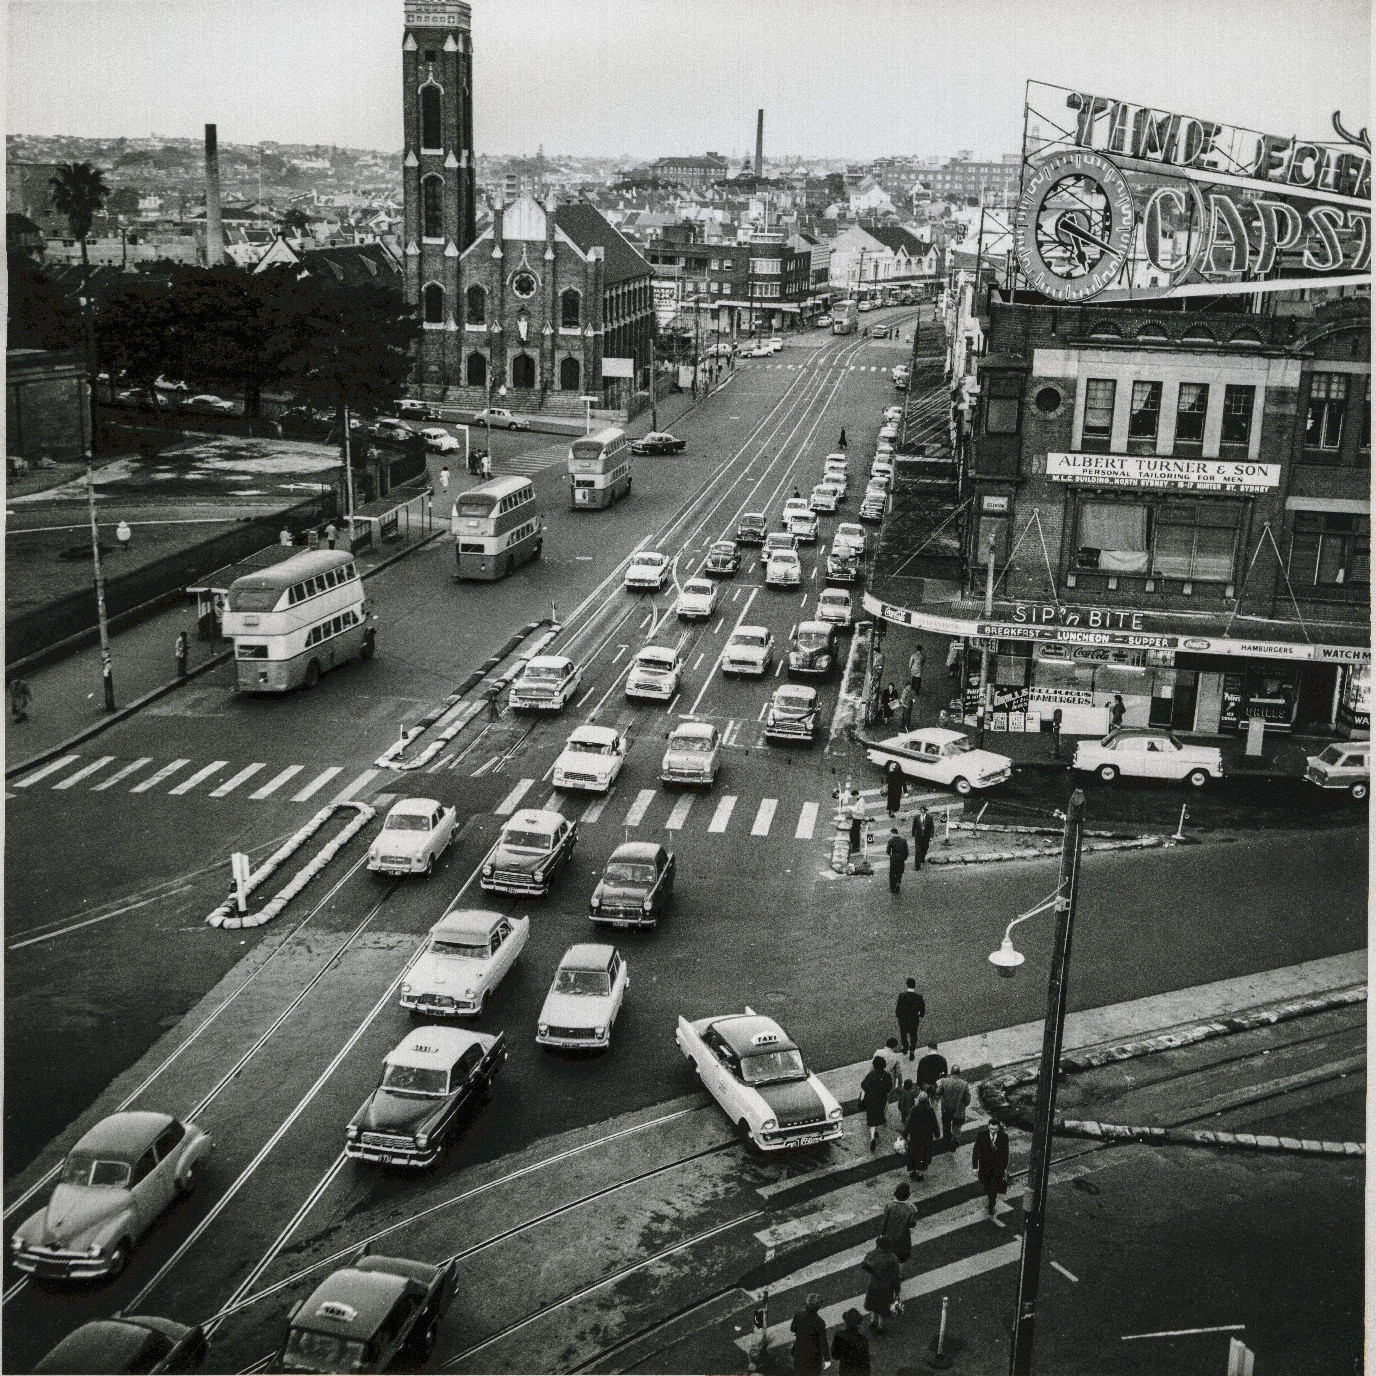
(750, 1067)
(647, 569)
(777, 540)
(209, 402)
(834, 606)
(795, 506)
(882, 467)
(839, 479)
(825, 497)
(775, 344)
(851, 536)
(499, 416)
(900, 375)
(697, 600)
(416, 833)
(749, 650)
(592, 758)
(692, 754)
(1148, 753)
(803, 524)
(938, 756)
(654, 673)
(837, 458)
(888, 432)
(546, 683)
(581, 1007)
(468, 953)
(783, 569)
(892, 415)
(872, 508)
(759, 351)
(440, 441)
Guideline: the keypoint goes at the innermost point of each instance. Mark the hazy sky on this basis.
(651, 77)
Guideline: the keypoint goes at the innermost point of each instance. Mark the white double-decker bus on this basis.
(496, 528)
(297, 620)
(599, 469)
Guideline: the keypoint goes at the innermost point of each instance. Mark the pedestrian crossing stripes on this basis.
(73, 779)
(47, 769)
(198, 777)
(722, 816)
(166, 772)
(680, 813)
(512, 801)
(119, 775)
(764, 817)
(316, 784)
(229, 785)
(640, 807)
(276, 782)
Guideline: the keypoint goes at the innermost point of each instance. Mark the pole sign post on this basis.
(238, 863)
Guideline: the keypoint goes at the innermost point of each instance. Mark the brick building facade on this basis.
(47, 405)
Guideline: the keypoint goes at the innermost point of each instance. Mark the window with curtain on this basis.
(1146, 411)
(1195, 541)
(1237, 413)
(1190, 408)
(1323, 421)
(1097, 431)
(1002, 404)
(1330, 548)
(1112, 537)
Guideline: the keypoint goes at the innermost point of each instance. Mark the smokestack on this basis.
(214, 234)
(759, 143)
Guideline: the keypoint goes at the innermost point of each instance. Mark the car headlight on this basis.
(16, 1243)
(594, 901)
(351, 1132)
(769, 1125)
(487, 871)
(469, 993)
(93, 1250)
(422, 1140)
(405, 988)
(599, 1031)
(648, 904)
(835, 1113)
(544, 1029)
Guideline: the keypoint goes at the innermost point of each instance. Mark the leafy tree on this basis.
(79, 192)
(41, 315)
(140, 330)
(295, 222)
(124, 201)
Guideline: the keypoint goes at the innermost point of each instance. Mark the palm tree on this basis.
(78, 192)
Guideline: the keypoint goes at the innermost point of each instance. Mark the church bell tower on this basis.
(438, 175)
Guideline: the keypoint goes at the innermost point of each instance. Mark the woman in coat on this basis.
(897, 1224)
(885, 1279)
(875, 1089)
(922, 1130)
(851, 1347)
(893, 787)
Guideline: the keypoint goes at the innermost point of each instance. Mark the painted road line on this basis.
(680, 813)
(153, 780)
(1068, 1275)
(276, 782)
(764, 818)
(231, 784)
(1183, 1332)
(198, 777)
(316, 784)
(345, 794)
(807, 822)
(620, 650)
(84, 773)
(594, 810)
(722, 815)
(640, 807)
(122, 774)
(49, 769)
(512, 801)
(88, 922)
(381, 800)
(699, 660)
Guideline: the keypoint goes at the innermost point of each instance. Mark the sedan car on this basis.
(882, 467)
(546, 683)
(872, 508)
(848, 534)
(779, 539)
(648, 570)
(658, 442)
(416, 833)
(838, 478)
(792, 714)
(843, 565)
(592, 758)
(751, 529)
(468, 953)
(938, 756)
(440, 441)
(892, 415)
(1344, 766)
(756, 1073)
(697, 600)
(427, 1081)
(794, 506)
(636, 886)
(1148, 753)
(723, 560)
(758, 351)
(749, 650)
(692, 754)
(813, 648)
(417, 410)
(128, 1343)
(207, 401)
(783, 569)
(500, 417)
(534, 846)
(654, 673)
(823, 321)
(824, 497)
(581, 1007)
(803, 525)
(115, 1182)
(834, 605)
(376, 1312)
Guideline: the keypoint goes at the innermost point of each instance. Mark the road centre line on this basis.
(87, 922)
(696, 662)
(702, 692)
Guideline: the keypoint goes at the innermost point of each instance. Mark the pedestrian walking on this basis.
(487, 465)
(809, 1338)
(897, 1224)
(841, 443)
(1117, 712)
(444, 477)
(885, 1282)
(907, 1097)
(906, 699)
(921, 1130)
(893, 1061)
(875, 1089)
(924, 830)
(893, 787)
(990, 1159)
(910, 1009)
(953, 1094)
(888, 701)
(931, 1067)
(851, 1347)
(916, 661)
(182, 652)
(20, 697)
(331, 533)
(955, 657)
(897, 851)
(284, 536)
(857, 820)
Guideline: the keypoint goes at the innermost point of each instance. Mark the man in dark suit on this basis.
(924, 831)
(990, 1159)
(910, 1009)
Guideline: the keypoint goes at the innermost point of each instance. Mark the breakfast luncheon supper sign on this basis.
(1193, 475)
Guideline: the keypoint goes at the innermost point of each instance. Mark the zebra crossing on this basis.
(842, 367)
(532, 462)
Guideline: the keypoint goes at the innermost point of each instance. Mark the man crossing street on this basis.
(910, 1009)
(990, 1160)
(924, 829)
(897, 851)
(916, 661)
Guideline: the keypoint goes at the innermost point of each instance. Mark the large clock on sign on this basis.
(524, 284)
(1074, 226)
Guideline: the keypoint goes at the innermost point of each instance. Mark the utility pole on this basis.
(984, 652)
(697, 330)
(1034, 1204)
(348, 475)
(107, 672)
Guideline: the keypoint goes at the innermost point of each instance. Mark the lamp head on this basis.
(1006, 960)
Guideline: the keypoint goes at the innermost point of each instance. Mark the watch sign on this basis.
(1151, 471)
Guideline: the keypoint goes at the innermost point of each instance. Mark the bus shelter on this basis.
(392, 518)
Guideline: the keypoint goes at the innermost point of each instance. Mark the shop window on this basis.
(1097, 430)
(1195, 541)
(432, 207)
(1003, 404)
(1323, 421)
(1237, 413)
(1112, 537)
(1145, 415)
(475, 300)
(1330, 550)
(1189, 414)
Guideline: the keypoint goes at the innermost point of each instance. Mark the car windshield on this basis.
(544, 673)
(590, 748)
(773, 1065)
(630, 872)
(812, 640)
(533, 841)
(792, 701)
(414, 1079)
(728, 550)
(80, 1169)
(756, 639)
(785, 558)
(752, 520)
(655, 664)
(307, 1351)
(470, 949)
(696, 743)
(698, 589)
(592, 982)
(649, 561)
(407, 821)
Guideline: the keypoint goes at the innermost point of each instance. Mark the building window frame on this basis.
(1003, 404)
(432, 208)
(570, 319)
(1330, 550)
(432, 117)
(1325, 415)
(432, 305)
(1239, 401)
(1096, 426)
(1144, 416)
(1191, 410)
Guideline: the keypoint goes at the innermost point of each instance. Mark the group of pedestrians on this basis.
(891, 699)
(923, 829)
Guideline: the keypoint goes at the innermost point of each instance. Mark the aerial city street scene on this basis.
(688, 686)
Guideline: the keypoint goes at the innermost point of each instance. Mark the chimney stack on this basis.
(214, 234)
(759, 143)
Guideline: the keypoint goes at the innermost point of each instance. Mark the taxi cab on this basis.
(534, 846)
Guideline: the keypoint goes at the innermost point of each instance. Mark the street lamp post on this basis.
(1006, 960)
(984, 652)
(107, 672)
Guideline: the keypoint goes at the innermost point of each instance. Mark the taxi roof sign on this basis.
(337, 1309)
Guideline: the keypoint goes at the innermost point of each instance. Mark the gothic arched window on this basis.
(434, 304)
(432, 207)
(476, 301)
(569, 375)
(477, 370)
(570, 310)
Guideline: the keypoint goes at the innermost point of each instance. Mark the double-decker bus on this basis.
(297, 620)
(496, 528)
(845, 316)
(599, 469)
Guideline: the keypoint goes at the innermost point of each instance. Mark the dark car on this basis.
(635, 887)
(658, 442)
(132, 1342)
(426, 1082)
(723, 560)
(418, 410)
(533, 847)
(751, 529)
(376, 1311)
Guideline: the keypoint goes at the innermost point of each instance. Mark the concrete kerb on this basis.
(994, 857)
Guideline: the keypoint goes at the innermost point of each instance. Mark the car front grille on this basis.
(573, 778)
(573, 1033)
(435, 1000)
(388, 1141)
(398, 861)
